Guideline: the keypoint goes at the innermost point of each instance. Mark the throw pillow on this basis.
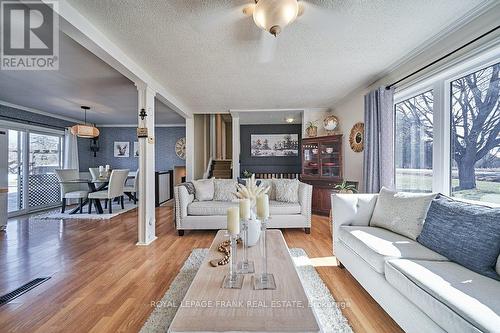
(224, 189)
(268, 183)
(465, 233)
(286, 190)
(402, 213)
(204, 189)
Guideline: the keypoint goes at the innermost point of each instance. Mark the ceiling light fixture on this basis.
(289, 120)
(85, 131)
(274, 15)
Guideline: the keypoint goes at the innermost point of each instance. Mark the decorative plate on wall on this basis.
(356, 137)
(180, 148)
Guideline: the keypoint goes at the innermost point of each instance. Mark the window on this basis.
(447, 129)
(475, 135)
(413, 146)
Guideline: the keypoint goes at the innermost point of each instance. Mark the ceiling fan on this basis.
(274, 15)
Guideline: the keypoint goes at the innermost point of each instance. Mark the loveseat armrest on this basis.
(351, 209)
(182, 200)
(305, 201)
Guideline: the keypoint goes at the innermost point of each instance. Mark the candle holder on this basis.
(232, 280)
(245, 266)
(265, 280)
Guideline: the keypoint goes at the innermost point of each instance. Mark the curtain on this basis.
(70, 150)
(378, 158)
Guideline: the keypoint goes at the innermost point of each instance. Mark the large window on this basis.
(447, 130)
(413, 147)
(475, 138)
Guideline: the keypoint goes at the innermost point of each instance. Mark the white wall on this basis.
(350, 109)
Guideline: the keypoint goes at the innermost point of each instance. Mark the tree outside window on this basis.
(475, 138)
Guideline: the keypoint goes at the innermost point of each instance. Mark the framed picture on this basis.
(270, 145)
(121, 149)
(136, 148)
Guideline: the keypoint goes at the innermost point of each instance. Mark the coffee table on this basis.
(209, 308)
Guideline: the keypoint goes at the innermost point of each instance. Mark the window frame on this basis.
(439, 81)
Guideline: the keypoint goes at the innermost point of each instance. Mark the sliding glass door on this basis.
(33, 157)
(15, 170)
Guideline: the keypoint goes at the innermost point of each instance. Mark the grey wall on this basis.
(165, 155)
(166, 137)
(268, 164)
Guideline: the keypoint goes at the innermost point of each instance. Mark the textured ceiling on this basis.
(82, 79)
(206, 53)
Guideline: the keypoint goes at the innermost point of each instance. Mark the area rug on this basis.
(326, 309)
(117, 210)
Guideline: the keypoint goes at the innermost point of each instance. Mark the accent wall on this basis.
(274, 164)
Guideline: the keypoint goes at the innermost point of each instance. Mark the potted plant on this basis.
(346, 188)
(312, 129)
(247, 174)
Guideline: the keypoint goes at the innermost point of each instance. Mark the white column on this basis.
(189, 148)
(146, 209)
(236, 146)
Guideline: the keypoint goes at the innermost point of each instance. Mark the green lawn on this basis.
(485, 191)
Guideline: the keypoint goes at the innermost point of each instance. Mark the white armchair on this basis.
(69, 190)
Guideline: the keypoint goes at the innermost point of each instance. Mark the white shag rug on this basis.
(326, 309)
(117, 210)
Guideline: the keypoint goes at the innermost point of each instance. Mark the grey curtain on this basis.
(378, 158)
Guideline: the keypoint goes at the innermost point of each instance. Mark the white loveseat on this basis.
(419, 288)
(203, 215)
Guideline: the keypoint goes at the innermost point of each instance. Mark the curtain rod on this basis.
(30, 122)
(442, 58)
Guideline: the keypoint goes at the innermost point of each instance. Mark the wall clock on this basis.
(180, 148)
(356, 137)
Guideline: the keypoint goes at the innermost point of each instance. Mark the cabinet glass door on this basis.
(311, 160)
(330, 159)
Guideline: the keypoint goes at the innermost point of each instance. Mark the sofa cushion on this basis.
(224, 189)
(403, 213)
(353, 209)
(283, 208)
(268, 183)
(376, 245)
(210, 208)
(465, 233)
(204, 189)
(456, 298)
(287, 190)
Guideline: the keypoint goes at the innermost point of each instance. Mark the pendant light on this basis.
(85, 131)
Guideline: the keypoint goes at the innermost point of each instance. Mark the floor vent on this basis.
(4, 299)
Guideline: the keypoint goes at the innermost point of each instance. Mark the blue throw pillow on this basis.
(465, 233)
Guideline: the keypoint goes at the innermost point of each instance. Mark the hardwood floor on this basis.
(102, 282)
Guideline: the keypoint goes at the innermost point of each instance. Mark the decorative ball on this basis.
(330, 123)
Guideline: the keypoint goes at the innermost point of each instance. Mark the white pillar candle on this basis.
(233, 220)
(245, 209)
(107, 167)
(101, 169)
(263, 206)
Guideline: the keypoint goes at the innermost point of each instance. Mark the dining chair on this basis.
(69, 190)
(114, 190)
(132, 189)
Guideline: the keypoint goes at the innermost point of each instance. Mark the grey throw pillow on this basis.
(224, 189)
(465, 233)
(402, 213)
(268, 183)
(204, 189)
(286, 190)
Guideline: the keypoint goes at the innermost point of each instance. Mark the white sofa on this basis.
(419, 288)
(203, 215)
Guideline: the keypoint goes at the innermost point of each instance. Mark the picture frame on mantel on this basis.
(121, 149)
